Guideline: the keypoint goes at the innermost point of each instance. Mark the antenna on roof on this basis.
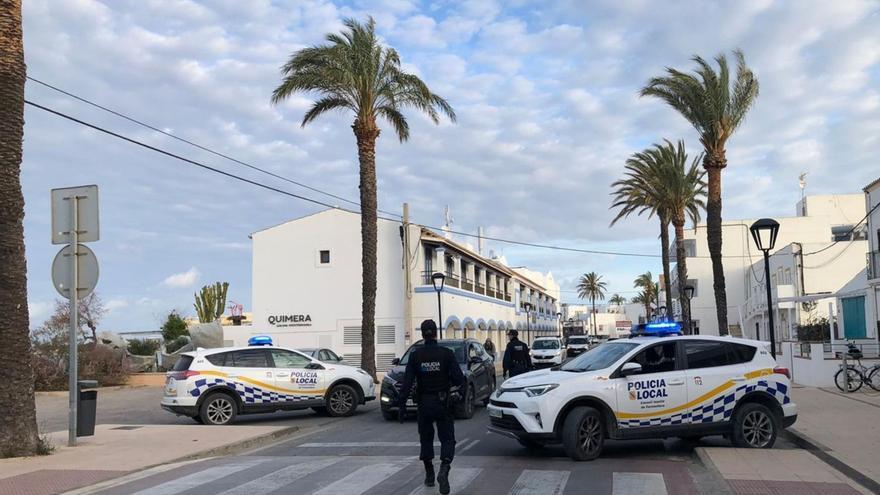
(447, 225)
(802, 182)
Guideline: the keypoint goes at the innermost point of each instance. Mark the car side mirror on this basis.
(630, 369)
(395, 362)
(314, 366)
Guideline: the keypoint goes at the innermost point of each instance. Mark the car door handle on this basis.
(739, 379)
(281, 375)
(676, 382)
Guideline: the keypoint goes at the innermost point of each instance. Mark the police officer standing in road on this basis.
(435, 370)
(516, 356)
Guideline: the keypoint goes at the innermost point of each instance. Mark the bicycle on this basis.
(857, 374)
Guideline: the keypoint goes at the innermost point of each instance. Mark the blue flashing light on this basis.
(657, 329)
(259, 340)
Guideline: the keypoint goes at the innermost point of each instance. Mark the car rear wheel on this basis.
(583, 435)
(218, 409)
(341, 401)
(754, 427)
(465, 410)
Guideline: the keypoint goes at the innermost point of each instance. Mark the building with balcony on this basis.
(819, 221)
(872, 292)
(307, 288)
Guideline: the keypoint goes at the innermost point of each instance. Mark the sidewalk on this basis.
(116, 450)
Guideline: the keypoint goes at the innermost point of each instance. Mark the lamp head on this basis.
(764, 233)
(438, 279)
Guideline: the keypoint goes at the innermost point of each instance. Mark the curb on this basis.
(63, 393)
(719, 481)
(822, 453)
(223, 450)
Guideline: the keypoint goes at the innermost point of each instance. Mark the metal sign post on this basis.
(80, 224)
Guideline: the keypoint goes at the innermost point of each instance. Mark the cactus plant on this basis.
(211, 301)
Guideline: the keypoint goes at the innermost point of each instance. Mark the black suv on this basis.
(478, 367)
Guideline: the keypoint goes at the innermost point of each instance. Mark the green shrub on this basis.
(174, 345)
(818, 330)
(108, 366)
(173, 327)
(143, 347)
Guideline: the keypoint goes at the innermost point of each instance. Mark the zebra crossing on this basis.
(399, 475)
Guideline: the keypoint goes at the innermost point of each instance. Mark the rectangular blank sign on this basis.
(87, 202)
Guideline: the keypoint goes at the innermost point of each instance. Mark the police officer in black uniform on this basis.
(435, 369)
(516, 356)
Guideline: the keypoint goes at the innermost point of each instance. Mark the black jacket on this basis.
(516, 356)
(435, 368)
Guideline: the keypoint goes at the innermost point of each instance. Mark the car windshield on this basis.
(545, 344)
(457, 348)
(577, 341)
(599, 358)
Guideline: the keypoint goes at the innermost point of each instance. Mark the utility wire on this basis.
(196, 145)
(851, 231)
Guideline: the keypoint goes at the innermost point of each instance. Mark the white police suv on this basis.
(654, 386)
(213, 386)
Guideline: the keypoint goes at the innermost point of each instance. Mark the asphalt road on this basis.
(365, 454)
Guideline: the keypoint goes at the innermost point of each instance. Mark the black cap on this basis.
(512, 333)
(429, 329)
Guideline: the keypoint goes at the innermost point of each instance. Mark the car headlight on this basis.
(538, 390)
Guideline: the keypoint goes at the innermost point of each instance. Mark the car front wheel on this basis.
(754, 427)
(582, 434)
(341, 401)
(218, 409)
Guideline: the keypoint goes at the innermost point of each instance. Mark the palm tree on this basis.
(18, 423)
(715, 106)
(649, 294)
(592, 287)
(355, 72)
(641, 191)
(617, 300)
(683, 190)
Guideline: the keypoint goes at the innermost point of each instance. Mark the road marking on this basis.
(638, 484)
(281, 478)
(464, 449)
(330, 445)
(540, 482)
(459, 479)
(200, 478)
(363, 479)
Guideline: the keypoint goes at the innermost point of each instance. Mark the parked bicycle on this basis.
(856, 374)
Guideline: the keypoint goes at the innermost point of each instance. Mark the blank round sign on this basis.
(88, 271)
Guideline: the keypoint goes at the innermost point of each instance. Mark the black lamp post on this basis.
(688, 295)
(528, 308)
(559, 322)
(764, 233)
(439, 280)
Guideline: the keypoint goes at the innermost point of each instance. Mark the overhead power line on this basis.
(197, 145)
(851, 231)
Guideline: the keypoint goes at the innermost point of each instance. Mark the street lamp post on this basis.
(439, 280)
(528, 308)
(559, 322)
(688, 295)
(764, 232)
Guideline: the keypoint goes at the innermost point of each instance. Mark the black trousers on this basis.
(433, 410)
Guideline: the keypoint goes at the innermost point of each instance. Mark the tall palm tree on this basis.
(683, 191)
(641, 191)
(18, 422)
(716, 107)
(649, 294)
(592, 287)
(617, 300)
(354, 71)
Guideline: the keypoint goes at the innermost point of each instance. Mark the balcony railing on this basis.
(467, 284)
(480, 288)
(873, 265)
(490, 292)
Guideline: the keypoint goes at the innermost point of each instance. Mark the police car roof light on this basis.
(259, 340)
(657, 329)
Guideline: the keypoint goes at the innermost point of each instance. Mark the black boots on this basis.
(443, 478)
(429, 473)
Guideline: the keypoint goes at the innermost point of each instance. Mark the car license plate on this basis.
(410, 403)
(496, 413)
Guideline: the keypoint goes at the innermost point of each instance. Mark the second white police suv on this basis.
(213, 386)
(658, 385)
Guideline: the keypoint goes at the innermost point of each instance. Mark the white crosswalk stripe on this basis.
(281, 478)
(639, 484)
(543, 482)
(196, 479)
(363, 479)
(459, 479)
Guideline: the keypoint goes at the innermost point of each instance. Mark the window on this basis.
(332, 355)
(842, 233)
(323, 355)
(251, 358)
(480, 351)
(325, 256)
(351, 335)
(472, 351)
(706, 354)
(287, 359)
(599, 357)
(740, 353)
(656, 359)
(218, 359)
(690, 248)
(183, 363)
(429, 260)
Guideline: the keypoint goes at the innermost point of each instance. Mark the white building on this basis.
(307, 288)
(819, 220)
(611, 320)
(872, 294)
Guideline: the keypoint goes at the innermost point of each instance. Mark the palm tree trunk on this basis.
(664, 241)
(18, 421)
(681, 269)
(366, 133)
(713, 228)
(595, 327)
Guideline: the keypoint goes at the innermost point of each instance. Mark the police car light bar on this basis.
(259, 340)
(657, 329)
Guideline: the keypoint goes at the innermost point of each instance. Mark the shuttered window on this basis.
(383, 361)
(385, 334)
(351, 335)
(352, 359)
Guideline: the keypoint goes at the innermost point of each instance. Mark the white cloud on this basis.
(39, 311)
(182, 280)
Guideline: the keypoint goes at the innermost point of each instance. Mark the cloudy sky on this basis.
(546, 94)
